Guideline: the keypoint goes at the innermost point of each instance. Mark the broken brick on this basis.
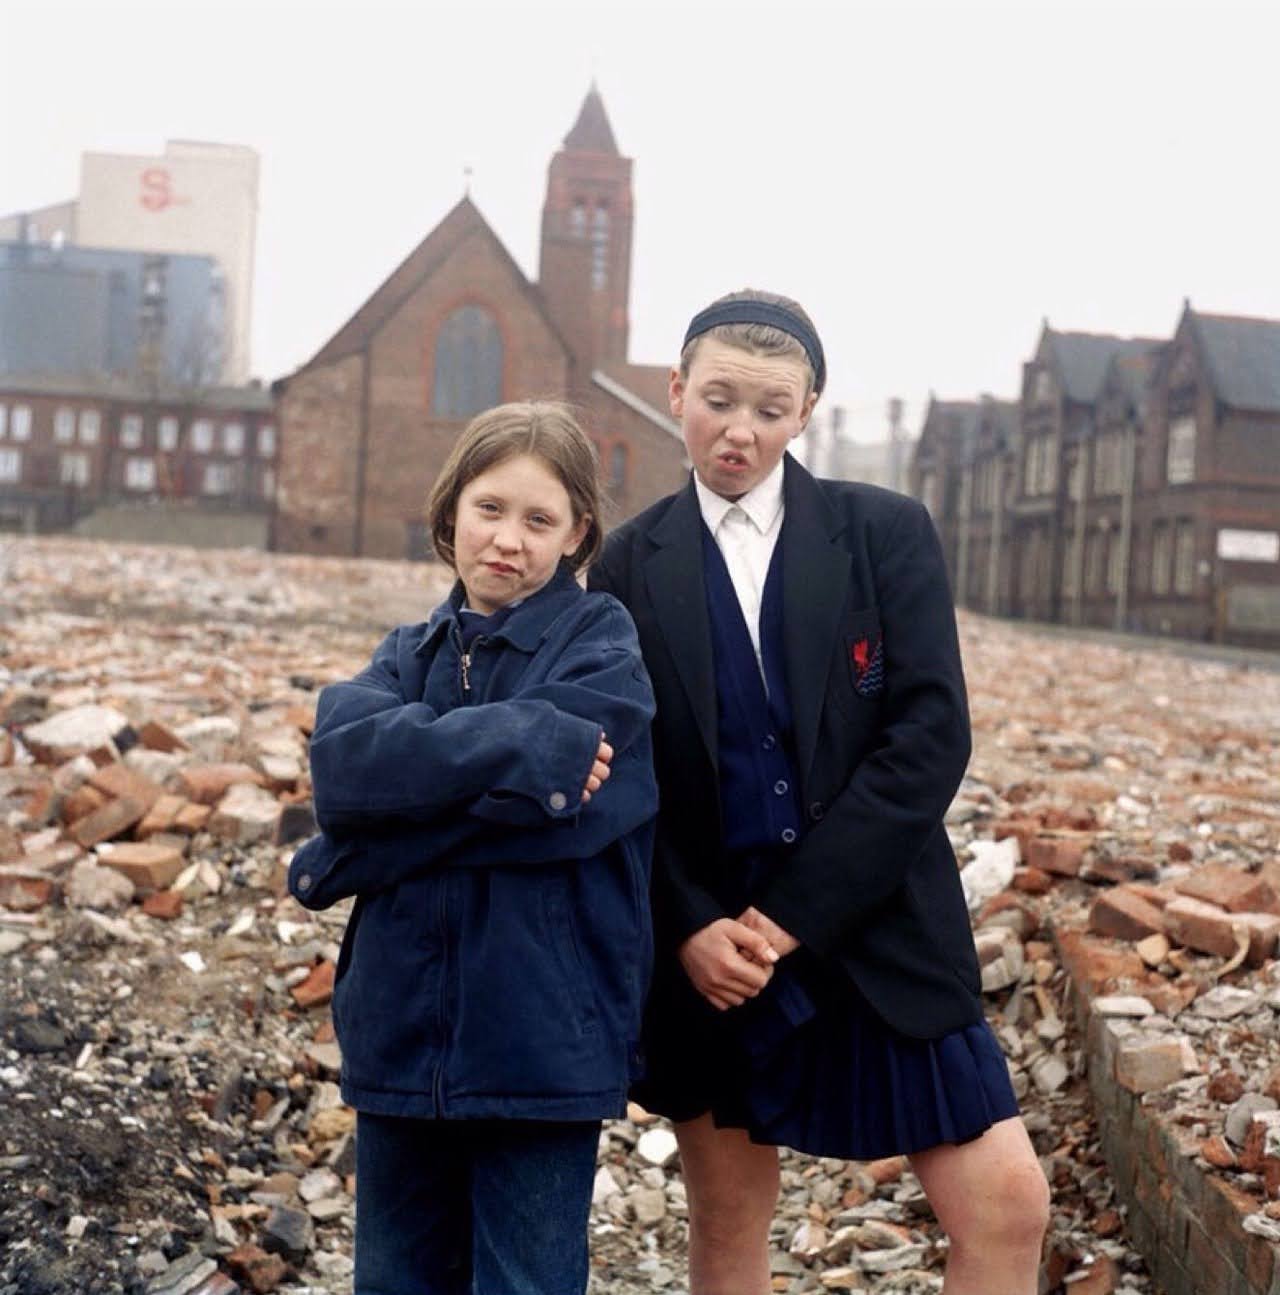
(1230, 888)
(1061, 855)
(317, 989)
(149, 866)
(119, 781)
(160, 817)
(163, 904)
(1145, 1063)
(1200, 926)
(160, 737)
(207, 784)
(1123, 914)
(112, 820)
(192, 818)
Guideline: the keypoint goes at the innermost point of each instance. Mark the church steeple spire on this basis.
(585, 270)
(591, 133)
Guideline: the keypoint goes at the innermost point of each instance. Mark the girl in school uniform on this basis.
(816, 983)
(485, 790)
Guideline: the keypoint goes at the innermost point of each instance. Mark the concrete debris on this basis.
(1120, 859)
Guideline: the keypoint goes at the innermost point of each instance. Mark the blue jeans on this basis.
(472, 1207)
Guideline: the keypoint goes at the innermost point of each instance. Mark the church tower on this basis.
(585, 269)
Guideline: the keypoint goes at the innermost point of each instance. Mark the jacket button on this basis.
(780, 787)
(816, 811)
(304, 882)
(557, 800)
(788, 835)
(769, 742)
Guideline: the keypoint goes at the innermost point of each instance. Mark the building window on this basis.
(266, 441)
(131, 431)
(64, 424)
(1184, 557)
(167, 434)
(1039, 469)
(618, 467)
(1075, 476)
(202, 435)
(600, 248)
(578, 220)
(468, 364)
(1180, 464)
(1115, 562)
(1093, 553)
(268, 483)
(219, 479)
(140, 474)
(1161, 552)
(1106, 465)
(20, 423)
(10, 465)
(1069, 565)
(1043, 387)
(90, 426)
(73, 469)
(233, 438)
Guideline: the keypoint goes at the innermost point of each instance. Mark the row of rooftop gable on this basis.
(1134, 485)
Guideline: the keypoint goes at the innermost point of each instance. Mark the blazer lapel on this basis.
(673, 576)
(815, 578)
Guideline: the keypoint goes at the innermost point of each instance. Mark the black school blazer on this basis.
(873, 886)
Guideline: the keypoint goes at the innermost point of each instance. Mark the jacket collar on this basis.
(527, 625)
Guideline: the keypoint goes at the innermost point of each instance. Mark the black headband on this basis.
(762, 312)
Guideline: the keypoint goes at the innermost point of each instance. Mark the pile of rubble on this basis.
(166, 1058)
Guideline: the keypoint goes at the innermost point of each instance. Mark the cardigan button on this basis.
(780, 787)
(557, 800)
(769, 742)
(304, 881)
(788, 835)
(816, 811)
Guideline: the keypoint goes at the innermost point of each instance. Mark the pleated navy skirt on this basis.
(808, 1064)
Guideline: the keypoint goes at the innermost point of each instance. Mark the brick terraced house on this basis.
(172, 462)
(1137, 488)
(367, 422)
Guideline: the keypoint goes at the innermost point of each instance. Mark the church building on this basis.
(366, 423)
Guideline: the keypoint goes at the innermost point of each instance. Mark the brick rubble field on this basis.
(167, 1067)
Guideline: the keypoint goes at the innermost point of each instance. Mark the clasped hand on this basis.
(731, 960)
(599, 770)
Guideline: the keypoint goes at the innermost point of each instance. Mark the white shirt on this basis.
(746, 531)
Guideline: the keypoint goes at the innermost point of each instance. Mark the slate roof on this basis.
(591, 133)
(462, 222)
(1243, 356)
(1082, 359)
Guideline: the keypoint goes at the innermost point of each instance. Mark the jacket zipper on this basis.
(444, 996)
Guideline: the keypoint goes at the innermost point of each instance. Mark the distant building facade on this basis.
(1135, 485)
(68, 448)
(76, 312)
(194, 199)
(367, 422)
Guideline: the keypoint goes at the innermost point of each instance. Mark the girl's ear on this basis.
(577, 535)
(675, 393)
(806, 409)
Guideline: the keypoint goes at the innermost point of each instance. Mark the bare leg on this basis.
(991, 1197)
(732, 1185)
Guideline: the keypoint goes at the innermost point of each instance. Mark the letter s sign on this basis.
(157, 189)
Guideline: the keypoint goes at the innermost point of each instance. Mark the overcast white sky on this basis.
(930, 178)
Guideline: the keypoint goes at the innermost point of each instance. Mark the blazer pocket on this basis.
(865, 652)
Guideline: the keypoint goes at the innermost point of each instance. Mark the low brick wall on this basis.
(1187, 1221)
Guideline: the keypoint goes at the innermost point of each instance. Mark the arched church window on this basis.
(578, 220)
(618, 467)
(468, 367)
(600, 247)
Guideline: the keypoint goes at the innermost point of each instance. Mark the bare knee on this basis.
(1010, 1213)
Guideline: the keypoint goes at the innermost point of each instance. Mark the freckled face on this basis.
(513, 524)
(738, 412)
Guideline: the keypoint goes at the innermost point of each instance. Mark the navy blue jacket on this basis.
(882, 739)
(496, 960)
